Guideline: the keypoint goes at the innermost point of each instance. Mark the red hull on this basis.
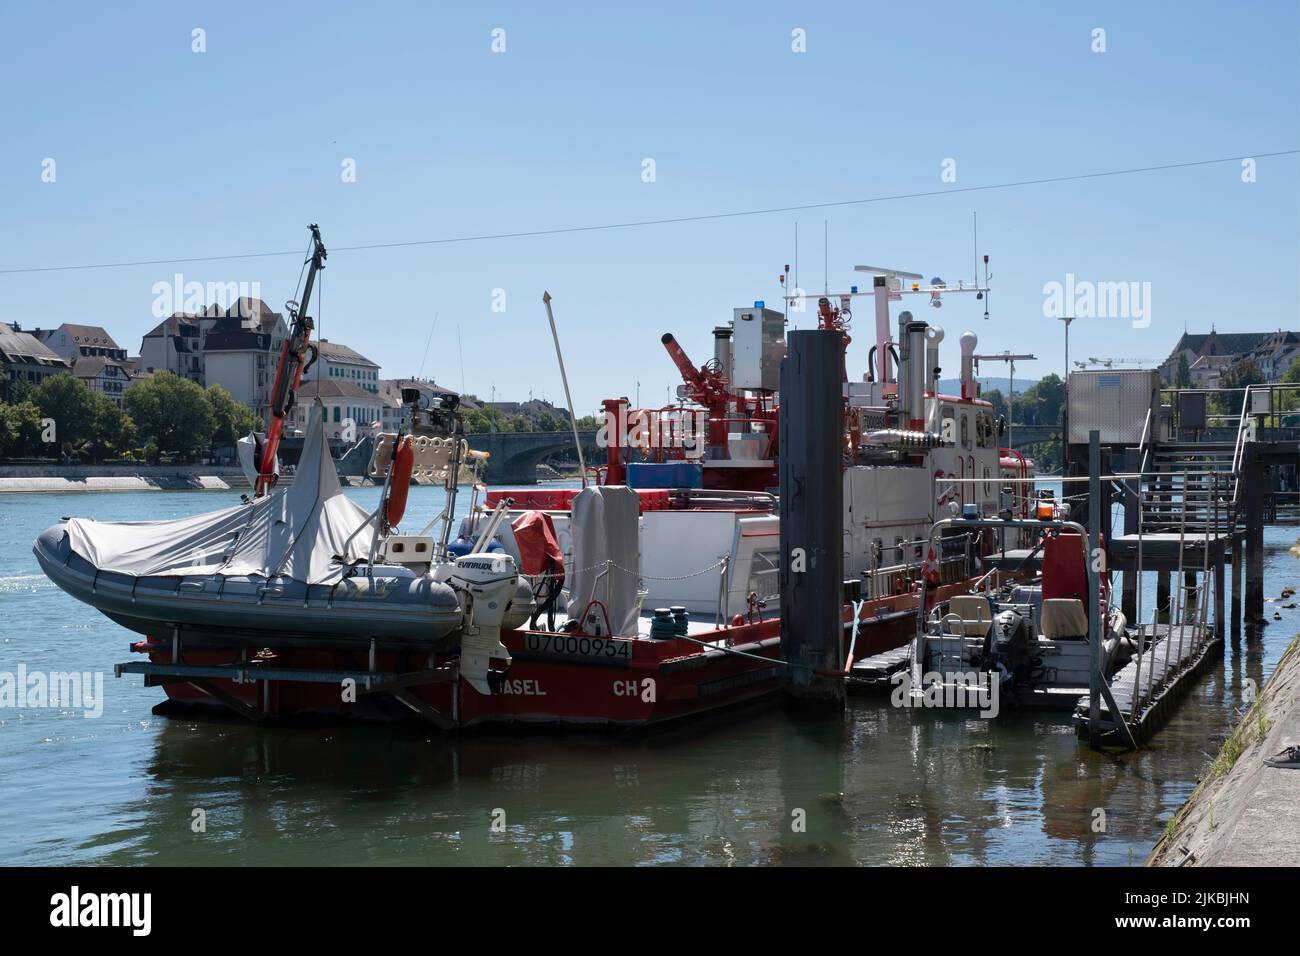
(553, 679)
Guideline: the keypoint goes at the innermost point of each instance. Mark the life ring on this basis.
(399, 482)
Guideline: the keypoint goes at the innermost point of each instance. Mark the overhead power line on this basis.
(638, 223)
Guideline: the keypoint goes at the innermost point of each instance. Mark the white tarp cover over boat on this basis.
(605, 529)
(296, 532)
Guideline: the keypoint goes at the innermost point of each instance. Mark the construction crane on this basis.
(1011, 361)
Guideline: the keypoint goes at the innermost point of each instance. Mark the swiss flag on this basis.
(931, 567)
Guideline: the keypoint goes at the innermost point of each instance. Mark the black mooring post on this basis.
(1220, 630)
(1095, 519)
(1132, 509)
(1163, 607)
(812, 518)
(1236, 585)
(1254, 495)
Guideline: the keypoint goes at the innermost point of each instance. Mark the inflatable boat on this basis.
(379, 601)
(294, 563)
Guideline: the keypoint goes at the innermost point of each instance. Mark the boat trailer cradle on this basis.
(259, 669)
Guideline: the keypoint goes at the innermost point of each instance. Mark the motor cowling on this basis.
(1012, 643)
(487, 584)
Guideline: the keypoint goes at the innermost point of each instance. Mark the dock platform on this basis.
(1147, 687)
(874, 674)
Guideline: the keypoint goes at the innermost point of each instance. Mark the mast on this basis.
(293, 362)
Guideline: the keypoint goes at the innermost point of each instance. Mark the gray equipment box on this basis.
(1115, 402)
(757, 347)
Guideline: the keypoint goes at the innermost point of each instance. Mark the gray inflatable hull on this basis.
(392, 603)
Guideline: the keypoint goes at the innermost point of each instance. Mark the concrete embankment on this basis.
(35, 478)
(1244, 813)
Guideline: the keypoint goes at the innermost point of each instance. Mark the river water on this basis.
(877, 785)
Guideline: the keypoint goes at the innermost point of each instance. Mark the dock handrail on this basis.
(1239, 447)
(1144, 450)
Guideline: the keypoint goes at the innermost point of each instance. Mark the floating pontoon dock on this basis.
(1146, 689)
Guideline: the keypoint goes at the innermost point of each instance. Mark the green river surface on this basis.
(877, 785)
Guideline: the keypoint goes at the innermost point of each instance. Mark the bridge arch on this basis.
(514, 456)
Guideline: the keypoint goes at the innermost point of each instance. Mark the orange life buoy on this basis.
(400, 482)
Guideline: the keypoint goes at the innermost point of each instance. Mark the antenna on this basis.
(427, 343)
(975, 243)
(1011, 360)
(796, 255)
(461, 350)
(984, 295)
(826, 256)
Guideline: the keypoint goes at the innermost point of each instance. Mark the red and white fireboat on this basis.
(648, 597)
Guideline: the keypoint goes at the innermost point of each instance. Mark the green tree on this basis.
(1239, 375)
(112, 432)
(173, 414)
(995, 398)
(233, 419)
(20, 430)
(1042, 402)
(72, 406)
(1183, 377)
(17, 391)
(1289, 400)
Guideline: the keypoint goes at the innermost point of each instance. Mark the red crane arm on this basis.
(293, 361)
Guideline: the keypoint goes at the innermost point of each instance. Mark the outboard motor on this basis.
(487, 583)
(1117, 648)
(1010, 645)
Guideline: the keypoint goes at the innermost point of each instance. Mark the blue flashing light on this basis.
(853, 289)
(970, 511)
(759, 303)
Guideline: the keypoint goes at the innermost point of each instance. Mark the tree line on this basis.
(163, 416)
(482, 420)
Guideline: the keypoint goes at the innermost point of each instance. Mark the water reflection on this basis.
(877, 785)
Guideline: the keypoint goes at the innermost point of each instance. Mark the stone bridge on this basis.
(515, 455)
(1026, 434)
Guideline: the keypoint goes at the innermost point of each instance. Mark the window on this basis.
(764, 576)
(949, 427)
(336, 413)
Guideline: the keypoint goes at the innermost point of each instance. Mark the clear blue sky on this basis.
(162, 152)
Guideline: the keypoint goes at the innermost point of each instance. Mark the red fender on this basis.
(400, 482)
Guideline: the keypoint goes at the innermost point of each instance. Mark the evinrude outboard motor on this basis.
(487, 584)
